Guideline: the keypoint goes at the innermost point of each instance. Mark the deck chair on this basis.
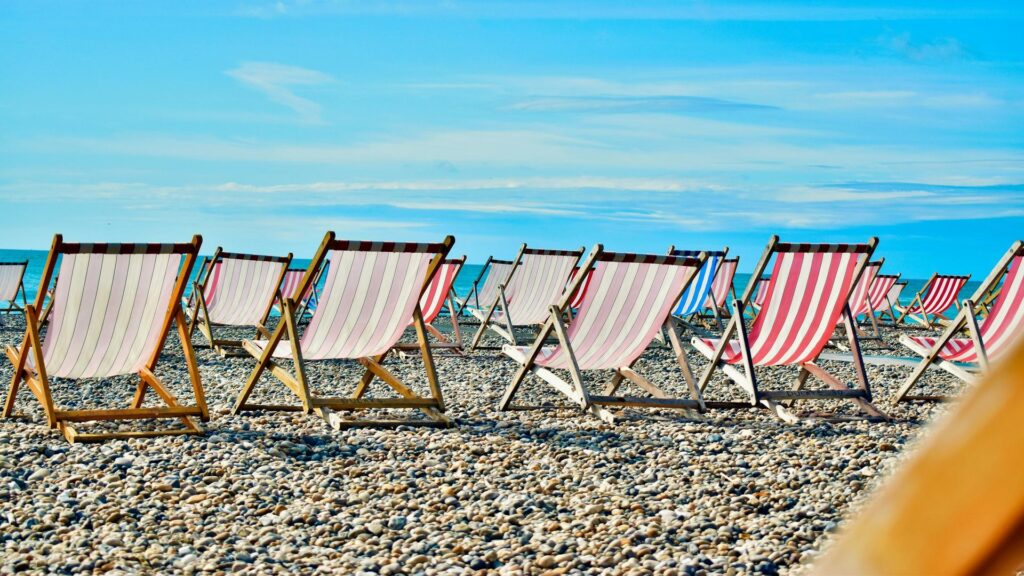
(370, 292)
(932, 301)
(721, 287)
(537, 281)
(691, 303)
(580, 292)
(292, 279)
(810, 288)
(761, 292)
(12, 281)
(892, 303)
(434, 299)
(630, 299)
(113, 309)
(877, 301)
(859, 303)
(236, 290)
(996, 333)
(494, 273)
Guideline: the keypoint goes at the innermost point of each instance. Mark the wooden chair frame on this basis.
(922, 317)
(508, 331)
(686, 323)
(576, 392)
(891, 312)
(441, 341)
(474, 292)
(752, 308)
(773, 399)
(718, 314)
(304, 305)
(433, 406)
(37, 382)
(200, 316)
(12, 305)
(967, 319)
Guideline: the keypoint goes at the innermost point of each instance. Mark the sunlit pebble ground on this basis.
(543, 492)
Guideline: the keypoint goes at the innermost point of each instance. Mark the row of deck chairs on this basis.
(113, 306)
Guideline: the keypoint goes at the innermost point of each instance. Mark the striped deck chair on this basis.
(237, 290)
(691, 303)
(12, 281)
(292, 279)
(630, 299)
(720, 289)
(493, 274)
(438, 295)
(581, 292)
(892, 303)
(995, 336)
(859, 303)
(810, 288)
(537, 281)
(370, 292)
(932, 301)
(759, 296)
(113, 309)
(877, 300)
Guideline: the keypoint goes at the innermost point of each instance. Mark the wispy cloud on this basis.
(695, 104)
(275, 81)
(584, 10)
(946, 48)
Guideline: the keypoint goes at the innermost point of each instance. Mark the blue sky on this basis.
(639, 125)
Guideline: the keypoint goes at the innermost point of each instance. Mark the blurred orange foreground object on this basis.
(957, 506)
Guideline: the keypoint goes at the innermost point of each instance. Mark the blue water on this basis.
(463, 283)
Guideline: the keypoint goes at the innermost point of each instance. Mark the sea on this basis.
(463, 283)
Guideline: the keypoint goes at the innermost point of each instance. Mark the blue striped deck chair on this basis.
(692, 302)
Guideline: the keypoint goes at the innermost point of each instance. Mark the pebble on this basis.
(543, 492)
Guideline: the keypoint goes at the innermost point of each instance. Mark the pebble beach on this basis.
(519, 492)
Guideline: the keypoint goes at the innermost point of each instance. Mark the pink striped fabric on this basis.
(581, 293)
(893, 296)
(942, 293)
(537, 283)
(436, 294)
(292, 279)
(497, 274)
(367, 301)
(802, 306)
(859, 298)
(999, 329)
(762, 292)
(626, 305)
(880, 289)
(722, 283)
(108, 313)
(10, 280)
(240, 289)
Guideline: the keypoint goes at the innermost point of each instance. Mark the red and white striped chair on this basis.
(290, 282)
(760, 293)
(809, 290)
(537, 281)
(113, 306)
(434, 299)
(995, 336)
(480, 296)
(859, 303)
(12, 281)
(892, 303)
(236, 290)
(630, 299)
(721, 287)
(931, 302)
(581, 292)
(877, 300)
(371, 291)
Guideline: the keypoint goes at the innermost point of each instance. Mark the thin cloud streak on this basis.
(274, 80)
